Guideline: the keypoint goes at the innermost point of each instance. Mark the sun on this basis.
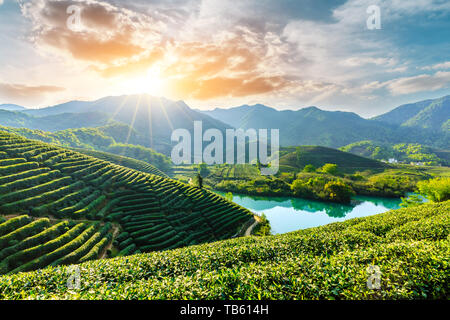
(151, 83)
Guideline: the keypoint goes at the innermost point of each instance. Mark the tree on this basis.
(330, 168)
(339, 191)
(203, 169)
(309, 168)
(199, 181)
(437, 189)
(229, 196)
(411, 201)
(263, 227)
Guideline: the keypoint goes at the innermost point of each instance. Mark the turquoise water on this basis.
(289, 214)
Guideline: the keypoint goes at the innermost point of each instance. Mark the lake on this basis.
(289, 214)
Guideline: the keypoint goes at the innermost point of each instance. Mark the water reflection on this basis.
(288, 214)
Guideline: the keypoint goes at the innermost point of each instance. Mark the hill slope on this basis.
(12, 107)
(124, 161)
(401, 152)
(431, 114)
(53, 122)
(113, 138)
(148, 212)
(296, 158)
(409, 246)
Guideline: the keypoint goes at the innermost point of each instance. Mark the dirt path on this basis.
(249, 230)
(110, 244)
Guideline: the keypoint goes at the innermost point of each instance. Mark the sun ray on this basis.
(150, 124)
(138, 102)
(120, 106)
(165, 114)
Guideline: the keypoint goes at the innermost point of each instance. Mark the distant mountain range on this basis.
(150, 121)
(11, 107)
(425, 122)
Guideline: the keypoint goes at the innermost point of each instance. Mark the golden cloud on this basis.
(118, 42)
(25, 92)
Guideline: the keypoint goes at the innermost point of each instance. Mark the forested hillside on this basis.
(114, 138)
(431, 114)
(401, 152)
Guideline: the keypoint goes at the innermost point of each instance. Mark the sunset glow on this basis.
(222, 53)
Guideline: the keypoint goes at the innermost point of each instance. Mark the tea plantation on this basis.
(63, 207)
(410, 246)
(124, 161)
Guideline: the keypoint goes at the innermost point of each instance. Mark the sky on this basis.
(287, 54)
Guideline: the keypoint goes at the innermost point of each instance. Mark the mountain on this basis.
(430, 114)
(138, 119)
(53, 122)
(11, 107)
(152, 118)
(313, 126)
(150, 121)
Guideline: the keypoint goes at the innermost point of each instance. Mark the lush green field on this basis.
(147, 212)
(409, 246)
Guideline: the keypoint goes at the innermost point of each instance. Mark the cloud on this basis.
(305, 51)
(419, 83)
(239, 60)
(26, 92)
(104, 34)
(438, 66)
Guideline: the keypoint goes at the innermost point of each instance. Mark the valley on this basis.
(105, 196)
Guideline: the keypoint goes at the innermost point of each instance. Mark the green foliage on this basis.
(309, 168)
(388, 185)
(437, 189)
(410, 246)
(322, 188)
(229, 196)
(100, 139)
(263, 227)
(330, 168)
(402, 152)
(339, 192)
(202, 169)
(411, 201)
(299, 157)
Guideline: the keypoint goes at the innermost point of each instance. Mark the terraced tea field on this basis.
(124, 161)
(64, 207)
